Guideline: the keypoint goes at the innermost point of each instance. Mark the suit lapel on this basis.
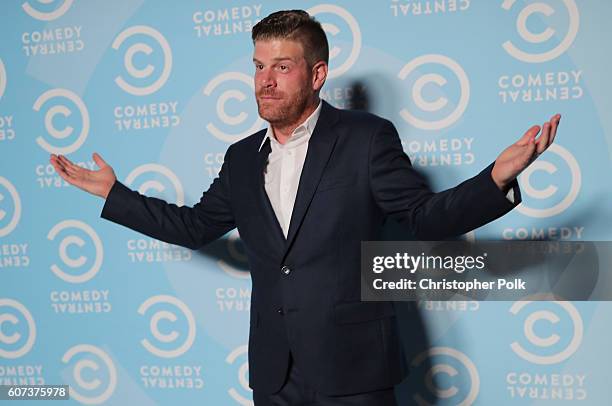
(320, 147)
(266, 207)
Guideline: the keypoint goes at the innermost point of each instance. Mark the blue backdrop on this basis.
(160, 89)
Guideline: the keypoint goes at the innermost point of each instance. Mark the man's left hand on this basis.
(518, 156)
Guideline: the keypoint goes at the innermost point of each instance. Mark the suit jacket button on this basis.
(280, 311)
(286, 270)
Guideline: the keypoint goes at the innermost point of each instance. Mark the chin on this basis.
(270, 115)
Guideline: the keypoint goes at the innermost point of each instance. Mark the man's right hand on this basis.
(97, 182)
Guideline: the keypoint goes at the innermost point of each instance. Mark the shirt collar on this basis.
(308, 125)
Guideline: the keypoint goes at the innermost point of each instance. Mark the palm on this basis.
(98, 182)
(518, 156)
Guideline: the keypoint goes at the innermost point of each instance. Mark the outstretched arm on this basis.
(404, 195)
(189, 227)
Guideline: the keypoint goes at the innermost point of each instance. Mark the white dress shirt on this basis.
(285, 163)
(284, 167)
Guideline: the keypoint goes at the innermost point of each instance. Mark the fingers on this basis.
(59, 167)
(65, 167)
(71, 168)
(98, 160)
(548, 133)
(542, 142)
(530, 153)
(555, 123)
(529, 135)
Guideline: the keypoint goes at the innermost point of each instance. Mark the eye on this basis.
(258, 66)
(283, 68)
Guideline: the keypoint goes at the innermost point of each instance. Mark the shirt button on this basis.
(286, 270)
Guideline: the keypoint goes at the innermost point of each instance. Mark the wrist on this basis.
(108, 189)
(501, 184)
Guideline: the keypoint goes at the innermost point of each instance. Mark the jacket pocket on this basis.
(358, 312)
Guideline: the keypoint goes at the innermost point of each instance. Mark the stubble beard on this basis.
(285, 113)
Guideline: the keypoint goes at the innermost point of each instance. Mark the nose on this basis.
(266, 78)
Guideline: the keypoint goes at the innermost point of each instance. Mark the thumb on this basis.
(99, 161)
(529, 135)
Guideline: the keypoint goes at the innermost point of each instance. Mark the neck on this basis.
(283, 131)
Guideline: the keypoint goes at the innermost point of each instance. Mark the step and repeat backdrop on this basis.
(161, 89)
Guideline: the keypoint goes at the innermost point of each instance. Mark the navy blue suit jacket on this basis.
(306, 288)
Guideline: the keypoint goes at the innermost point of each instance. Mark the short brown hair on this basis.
(295, 25)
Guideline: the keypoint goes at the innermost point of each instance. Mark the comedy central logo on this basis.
(65, 141)
(240, 353)
(333, 31)
(8, 221)
(236, 254)
(229, 84)
(457, 367)
(17, 339)
(541, 189)
(553, 348)
(142, 76)
(546, 11)
(430, 91)
(2, 78)
(164, 324)
(46, 10)
(93, 373)
(156, 186)
(78, 271)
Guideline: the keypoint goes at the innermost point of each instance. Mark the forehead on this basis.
(275, 49)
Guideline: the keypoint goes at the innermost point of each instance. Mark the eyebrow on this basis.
(284, 58)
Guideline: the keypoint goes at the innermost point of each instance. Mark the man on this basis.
(303, 194)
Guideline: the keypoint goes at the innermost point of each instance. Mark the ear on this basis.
(319, 74)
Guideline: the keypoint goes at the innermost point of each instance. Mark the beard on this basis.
(285, 110)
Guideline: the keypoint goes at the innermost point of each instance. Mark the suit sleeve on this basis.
(404, 195)
(190, 227)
